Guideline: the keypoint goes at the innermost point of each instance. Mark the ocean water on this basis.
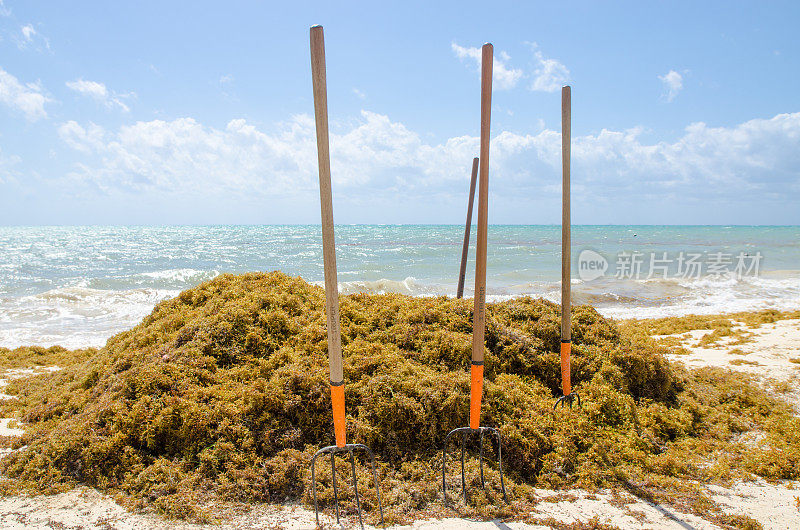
(77, 286)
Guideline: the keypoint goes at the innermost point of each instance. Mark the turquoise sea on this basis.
(77, 286)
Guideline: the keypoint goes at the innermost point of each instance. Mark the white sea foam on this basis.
(82, 316)
(409, 286)
(626, 298)
(74, 317)
(77, 286)
(179, 275)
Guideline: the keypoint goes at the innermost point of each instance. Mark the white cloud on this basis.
(99, 93)
(184, 155)
(89, 88)
(377, 157)
(83, 139)
(359, 94)
(504, 77)
(673, 83)
(27, 98)
(28, 32)
(29, 36)
(550, 74)
(761, 156)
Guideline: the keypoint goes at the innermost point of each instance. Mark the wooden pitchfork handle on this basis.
(479, 313)
(328, 242)
(465, 248)
(566, 286)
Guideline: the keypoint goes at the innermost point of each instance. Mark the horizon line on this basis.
(208, 225)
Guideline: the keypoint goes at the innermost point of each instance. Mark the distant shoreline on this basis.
(311, 224)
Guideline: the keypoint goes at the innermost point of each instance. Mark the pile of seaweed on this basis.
(222, 394)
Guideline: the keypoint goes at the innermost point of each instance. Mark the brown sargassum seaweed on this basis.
(221, 395)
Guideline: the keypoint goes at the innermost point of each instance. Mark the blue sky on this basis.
(200, 112)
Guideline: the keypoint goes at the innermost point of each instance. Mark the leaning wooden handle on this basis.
(465, 248)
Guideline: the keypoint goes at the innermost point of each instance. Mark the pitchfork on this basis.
(568, 396)
(332, 292)
(479, 314)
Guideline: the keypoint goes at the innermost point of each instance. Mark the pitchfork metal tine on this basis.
(480, 459)
(567, 400)
(463, 473)
(500, 459)
(464, 431)
(355, 488)
(348, 448)
(335, 492)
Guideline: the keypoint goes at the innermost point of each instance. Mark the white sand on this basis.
(87, 508)
(5, 430)
(771, 348)
(773, 505)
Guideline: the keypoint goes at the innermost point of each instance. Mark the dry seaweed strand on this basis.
(221, 394)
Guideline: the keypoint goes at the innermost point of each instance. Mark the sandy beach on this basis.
(776, 506)
(771, 353)
(773, 505)
(416, 266)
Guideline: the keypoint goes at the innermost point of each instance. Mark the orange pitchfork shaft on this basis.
(479, 313)
(328, 243)
(566, 387)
